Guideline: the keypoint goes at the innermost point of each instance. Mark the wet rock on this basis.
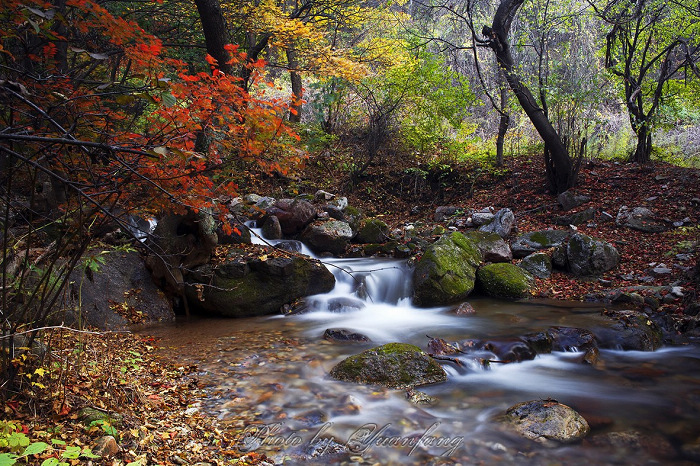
(540, 342)
(313, 417)
(571, 339)
(537, 240)
(446, 272)
(394, 365)
(632, 330)
(547, 420)
(493, 248)
(641, 219)
(502, 224)
(538, 265)
(341, 335)
(419, 398)
(510, 351)
(346, 405)
(331, 236)
(576, 219)
(465, 309)
(293, 215)
(271, 228)
(372, 230)
(569, 199)
(655, 445)
(290, 245)
(587, 256)
(504, 280)
(345, 304)
(243, 286)
(442, 213)
(440, 347)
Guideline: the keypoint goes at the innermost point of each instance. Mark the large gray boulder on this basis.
(538, 265)
(641, 219)
(241, 285)
(372, 230)
(535, 241)
(394, 365)
(446, 272)
(545, 421)
(502, 223)
(114, 289)
(493, 248)
(327, 236)
(569, 199)
(504, 280)
(589, 257)
(293, 214)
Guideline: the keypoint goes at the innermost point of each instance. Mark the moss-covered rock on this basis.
(394, 365)
(446, 272)
(537, 240)
(241, 286)
(504, 281)
(372, 230)
(538, 265)
(493, 248)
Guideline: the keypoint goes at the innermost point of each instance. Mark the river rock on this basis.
(640, 218)
(587, 256)
(571, 339)
(547, 420)
(632, 330)
(327, 236)
(569, 199)
(242, 286)
(271, 228)
(502, 223)
(293, 214)
(446, 272)
(493, 248)
(504, 280)
(120, 292)
(394, 365)
(537, 240)
(510, 350)
(577, 218)
(482, 218)
(372, 230)
(341, 335)
(538, 265)
(105, 447)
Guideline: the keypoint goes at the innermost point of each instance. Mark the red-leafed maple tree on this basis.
(98, 122)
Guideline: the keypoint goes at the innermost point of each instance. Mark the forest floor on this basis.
(157, 399)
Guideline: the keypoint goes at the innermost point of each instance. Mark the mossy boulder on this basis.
(394, 365)
(504, 281)
(587, 256)
(538, 265)
(372, 230)
(242, 286)
(545, 421)
(447, 271)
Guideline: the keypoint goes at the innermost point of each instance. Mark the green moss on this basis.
(504, 280)
(540, 238)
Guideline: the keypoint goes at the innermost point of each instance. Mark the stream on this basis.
(267, 379)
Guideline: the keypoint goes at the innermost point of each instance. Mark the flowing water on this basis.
(268, 381)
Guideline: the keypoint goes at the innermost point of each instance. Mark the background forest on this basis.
(113, 110)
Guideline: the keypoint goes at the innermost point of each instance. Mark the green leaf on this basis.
(87, 453)
(71, 453)
(168, 99)
(56, 441)
(50, 462)
(35, 448)
(7, 459)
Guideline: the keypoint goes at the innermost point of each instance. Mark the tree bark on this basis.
(503, 124)
(297, 89)
(562, 168)
(215, 33)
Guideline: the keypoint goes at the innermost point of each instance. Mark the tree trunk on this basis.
(642, 153)
(297, 89)
(215, 33)
(561, 176)
(503, 124)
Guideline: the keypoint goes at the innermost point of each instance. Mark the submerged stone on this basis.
(394, 365)
(547, 420)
